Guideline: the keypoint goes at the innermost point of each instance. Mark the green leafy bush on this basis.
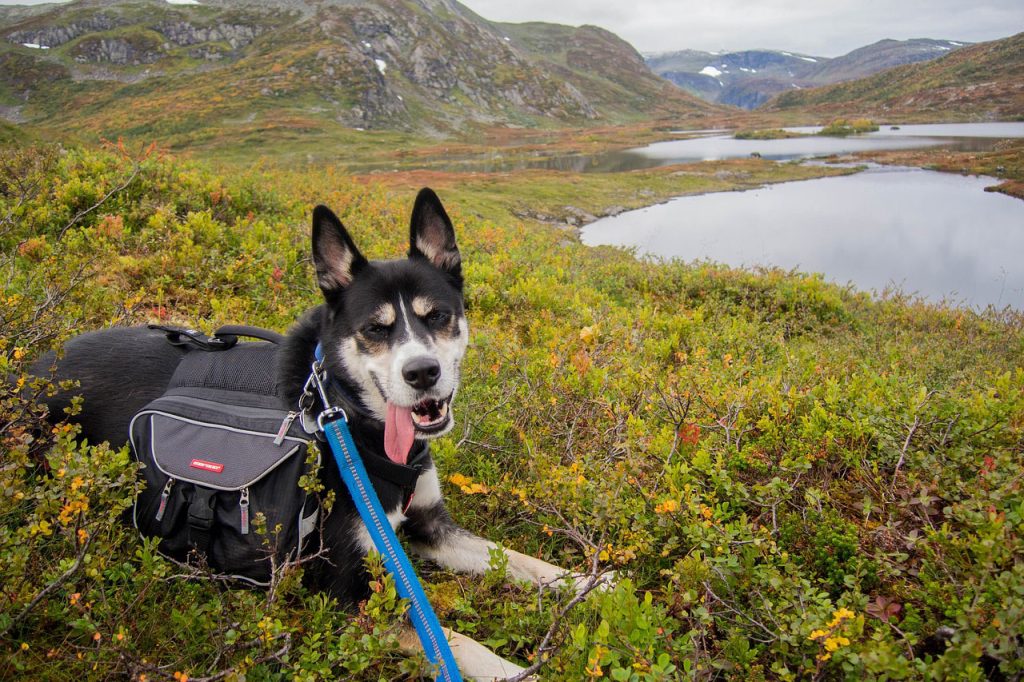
(791, 479)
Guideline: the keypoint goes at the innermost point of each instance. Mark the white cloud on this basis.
(811, 27)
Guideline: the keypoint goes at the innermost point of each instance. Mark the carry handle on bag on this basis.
(224, 338)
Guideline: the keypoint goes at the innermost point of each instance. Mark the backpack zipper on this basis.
(164, 496)
(285, 425)
(243, 505)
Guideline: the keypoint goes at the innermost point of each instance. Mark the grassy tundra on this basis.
(791, 479)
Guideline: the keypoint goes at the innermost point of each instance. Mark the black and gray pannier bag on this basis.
(224, 460)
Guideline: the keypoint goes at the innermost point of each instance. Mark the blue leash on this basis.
(334, 423)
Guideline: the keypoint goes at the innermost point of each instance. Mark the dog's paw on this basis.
(584, 583)
(477, 662)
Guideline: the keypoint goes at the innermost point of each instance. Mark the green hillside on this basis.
(601, 64)
(792, 481)
(983, 81)
(305, 76)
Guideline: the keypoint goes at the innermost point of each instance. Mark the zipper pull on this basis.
(164, 496)
(285, 425)
(243, 505)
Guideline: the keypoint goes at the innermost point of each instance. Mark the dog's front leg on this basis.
(436, 537)
(475, 661)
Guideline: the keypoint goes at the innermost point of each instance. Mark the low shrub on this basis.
(791, 480)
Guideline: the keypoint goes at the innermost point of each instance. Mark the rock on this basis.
(184, 33)
(116, 51)
(52, 36)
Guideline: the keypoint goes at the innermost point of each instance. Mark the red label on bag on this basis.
(202, 464)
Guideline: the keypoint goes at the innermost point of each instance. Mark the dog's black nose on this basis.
(421, 373)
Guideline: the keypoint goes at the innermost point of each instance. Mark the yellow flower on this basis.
(818, 634)
(24, 646)
(706, 511)
(833, 643)
(588, 334)
(467, 485)
(71, 510)
(839, 616)
(460, 480)
(667, 507)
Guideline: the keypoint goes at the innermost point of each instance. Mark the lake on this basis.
(935, 234)
(713, 145)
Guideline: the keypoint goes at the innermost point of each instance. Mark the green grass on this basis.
(842, 127)
(792, 480)
(766, 134)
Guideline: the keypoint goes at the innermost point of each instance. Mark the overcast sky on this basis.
(827, 28)
(819, 27)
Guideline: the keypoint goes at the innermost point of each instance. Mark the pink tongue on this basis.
(399, 433)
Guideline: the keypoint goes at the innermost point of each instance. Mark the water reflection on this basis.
(714, 145)
(934, 234)
(954, 136)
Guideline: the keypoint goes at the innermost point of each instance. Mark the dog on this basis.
(393, 335)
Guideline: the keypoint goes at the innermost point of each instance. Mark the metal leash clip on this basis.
(316, 380)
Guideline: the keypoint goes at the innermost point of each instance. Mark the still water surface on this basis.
(712, 145)
(934, 234)
(954, 136)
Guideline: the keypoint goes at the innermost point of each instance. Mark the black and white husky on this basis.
(393, 335)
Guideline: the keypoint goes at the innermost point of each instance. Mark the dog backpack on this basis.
(224, 460)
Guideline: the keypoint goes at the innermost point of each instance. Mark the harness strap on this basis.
(200, 518)
(435, 645)
(403, 476)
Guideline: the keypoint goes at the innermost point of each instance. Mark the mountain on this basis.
(877, 57)
(599, 63)
(750, 78)
(985, 80)
(745, 79)
(189, 73)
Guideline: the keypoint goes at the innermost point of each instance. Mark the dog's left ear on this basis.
(431, 236)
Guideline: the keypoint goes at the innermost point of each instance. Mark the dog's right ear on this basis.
(335, 255)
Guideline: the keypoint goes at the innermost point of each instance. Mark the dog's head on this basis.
(396, 328)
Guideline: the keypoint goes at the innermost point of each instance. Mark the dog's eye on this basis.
(438, 318)
(376, 331)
